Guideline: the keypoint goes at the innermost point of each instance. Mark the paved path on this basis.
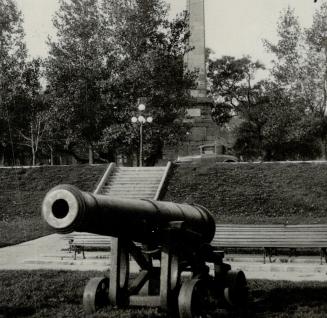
(47, 253)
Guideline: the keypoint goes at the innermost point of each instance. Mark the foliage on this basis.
(150, 64)
(31, 115)
(271, 119)
(315, 75)
(289, 56)
(12, 59)
(300, 72)
(75, 67)
(231, 86)
(107, 55)
(287, 121)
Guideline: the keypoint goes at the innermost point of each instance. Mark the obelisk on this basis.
(195, 59)
(204, 131)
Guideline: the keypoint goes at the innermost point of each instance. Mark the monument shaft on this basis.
(195, 59)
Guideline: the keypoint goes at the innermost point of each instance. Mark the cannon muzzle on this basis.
(66, 209)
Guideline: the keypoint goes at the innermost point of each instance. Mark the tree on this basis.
(32, 115)
(107, 55)
(292, 91)
(315, 79)
(273, 122)
(300, 69)
(150, 51)
(12, 59)
(275, 128)
(75, 68)
(232, 87)
(288, 53)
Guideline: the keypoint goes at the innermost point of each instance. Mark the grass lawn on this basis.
(255, 193)
(59, 294)
(22, 191)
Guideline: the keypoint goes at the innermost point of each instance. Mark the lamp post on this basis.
(141, 120)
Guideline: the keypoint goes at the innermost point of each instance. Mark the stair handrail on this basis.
(163, 180)
(105, 177)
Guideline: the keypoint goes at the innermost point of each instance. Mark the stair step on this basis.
(132, 197)
(134, 183)
(129, 189)
(140, 168)
(140, 176)
(138, 171)
(140, 180)
(145, 193)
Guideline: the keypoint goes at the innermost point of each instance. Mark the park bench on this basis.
(270, 238)
(79, 243)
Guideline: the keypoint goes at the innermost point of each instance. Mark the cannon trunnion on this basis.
(173, 259)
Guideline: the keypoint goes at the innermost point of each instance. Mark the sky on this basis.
(233, 27)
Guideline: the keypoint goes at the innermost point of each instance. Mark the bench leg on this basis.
(70, 249)
(323, 254)
(267, 252)
(83, 253)
(292, 253)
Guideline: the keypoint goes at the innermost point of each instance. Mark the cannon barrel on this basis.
(66, 209)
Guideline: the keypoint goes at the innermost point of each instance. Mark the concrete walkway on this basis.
(49, 253)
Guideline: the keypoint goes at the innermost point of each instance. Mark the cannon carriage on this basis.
(173, 257)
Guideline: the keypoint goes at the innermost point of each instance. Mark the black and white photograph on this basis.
(163, 158)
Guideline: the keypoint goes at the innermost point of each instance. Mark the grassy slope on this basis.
(255, 193)
(59, 294)
(21, 193)
(237, 193)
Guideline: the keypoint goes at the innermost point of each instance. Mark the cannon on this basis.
(169, 242)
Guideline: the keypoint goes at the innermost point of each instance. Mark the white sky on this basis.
(233, 27)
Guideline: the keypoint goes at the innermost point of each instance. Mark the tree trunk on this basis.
(2, 158)
(32, 145)
(91, 158)
(323, 148)
(33, 157)
(51, 156)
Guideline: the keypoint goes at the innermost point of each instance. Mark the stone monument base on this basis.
(203, 131)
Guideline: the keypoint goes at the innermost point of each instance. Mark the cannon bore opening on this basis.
(60, 209)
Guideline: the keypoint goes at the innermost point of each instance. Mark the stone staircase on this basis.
(135, 182)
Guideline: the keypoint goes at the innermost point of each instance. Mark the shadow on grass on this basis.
(287, 299)
(7, 311)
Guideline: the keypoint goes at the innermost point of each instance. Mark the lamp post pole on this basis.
(141, 144)
(141, 120)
